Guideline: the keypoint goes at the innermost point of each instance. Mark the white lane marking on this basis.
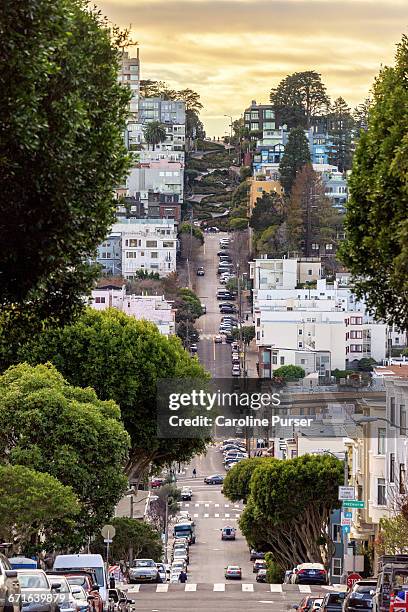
(237, 515)
(207, 505)
(248, 588)
(304, 588)
(206, 515)
(220, 586)
(216, 515)
(195, 515)
(216, 505)
(276, 588)
(162, 588)
(227, 515)
(187, 505)
(237, 507)
(135, 588)
(190, 587)
(196, 505)
(227, 505)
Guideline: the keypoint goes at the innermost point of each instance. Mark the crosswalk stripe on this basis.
(207, 505)
(248, 588)
(162, 588)
(216, 515)
(276, 588)
(227, 516)
(304, 588)
(237, 516)
(216, 505)
(186, 505)
(196, 505)
(190, 587)
(195, 515)
(227, 505)
(135, 588)
(220, 586)
(206, 515)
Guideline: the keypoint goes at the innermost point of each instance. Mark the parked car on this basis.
(156, 482)
(143, 570)
(309, 573)
(93, 562)
(233, 571)
(81, 598)
(258, 564)
(9, 587)
(307, 603)
(180, 554)
(214, 479)
(316, 604)
(37, 591)
(87, 580)
(256, 554)
(178, 565)
(226, 308)
(217, 339)
(236, 370)
(65, 598)
(228, 533)
(193, 348)
(360, 597)
(118, 601)
(186, 494)
(332, 602)
(200, 271)
(261, 576)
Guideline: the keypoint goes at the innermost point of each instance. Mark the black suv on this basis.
(360, 597)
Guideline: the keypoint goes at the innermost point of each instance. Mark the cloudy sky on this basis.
(233, 51)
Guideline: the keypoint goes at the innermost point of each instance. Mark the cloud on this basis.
(232, 51)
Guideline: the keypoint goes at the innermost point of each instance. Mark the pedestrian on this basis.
(112, 582)
(194, 473)
(183, 577)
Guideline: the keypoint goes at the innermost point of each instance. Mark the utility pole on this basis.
(344, 532)
(166, 530)
(132, 504)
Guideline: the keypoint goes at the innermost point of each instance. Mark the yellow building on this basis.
(259, 186)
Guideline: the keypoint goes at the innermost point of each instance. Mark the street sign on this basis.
(108, 532)
(107, 541)
(353, 503)
(346, 521)
(347, 493)
(352, 578)
(346, 528)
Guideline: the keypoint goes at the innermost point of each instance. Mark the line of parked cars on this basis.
(357, 599)
(234, 451)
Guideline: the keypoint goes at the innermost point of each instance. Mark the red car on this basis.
(306, 604)
(155, 483)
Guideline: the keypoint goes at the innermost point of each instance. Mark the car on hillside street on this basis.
(309, 573)
(233, 572)
(214, 479)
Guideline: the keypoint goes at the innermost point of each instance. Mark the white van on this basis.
(84, 562)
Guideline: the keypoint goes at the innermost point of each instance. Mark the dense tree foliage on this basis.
(296, 155)
(290, 372)
(298, 98)
(288, 504)
(268, 210)
(376, 245)
(50, 426)
(123, 359)
(341, 125)
(61, 151)
(155, 133)
(30, 502)
(139, 536)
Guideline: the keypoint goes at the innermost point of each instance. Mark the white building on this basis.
(147, 244)
(284, 273)
(153, 308)
(160, 176)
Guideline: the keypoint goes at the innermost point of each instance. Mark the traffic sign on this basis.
(107, 541)
(346, 521)
(353, 503)
(108, 532)
(347, 493)
(346, 528)
(347, 514)
(352, 578)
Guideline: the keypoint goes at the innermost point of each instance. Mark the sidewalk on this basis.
(251, 360)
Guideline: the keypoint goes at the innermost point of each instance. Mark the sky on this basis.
(235, 51)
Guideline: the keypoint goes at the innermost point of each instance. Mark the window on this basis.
(392, 467)
(268, 125)
(381, 441)
(131, 255)
(268, 113)
(141, 253)
(247, 116)
(300, 332)
(133, 242)
(282, 361)
(254, 126)
(168, 244)
(392, 409)
(356, 320)
(151, 243)
(303, 361)
(300, 344)
(254, 114)
(381, 492)
(154, 266)
(356, 335)
(356, 348)
(403, 420)
(309, 272)
(402, 478)
(337, 533)
(99, 300)
(315, 246)
(154, 254)
(336, 566)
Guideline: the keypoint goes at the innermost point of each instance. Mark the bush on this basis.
(366, 364)
(290, 372)
(238, 223)
(274, 574)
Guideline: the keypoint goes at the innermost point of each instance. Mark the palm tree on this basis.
(154, 133)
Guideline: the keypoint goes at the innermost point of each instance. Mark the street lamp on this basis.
(373, 419)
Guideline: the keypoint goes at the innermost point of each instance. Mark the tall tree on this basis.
(267, 211)
(376, 245)
(360, 115)
(52, 427)
(139, 536)
(298, 98)
(295, 156)
(341, 125)
(61, 151)
(123, 359)
(155, 133)
(310, 214)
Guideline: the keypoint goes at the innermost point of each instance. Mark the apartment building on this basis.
(259, 186)
(259, 117)
(145, 244)
(162, 176)
(171, 112)
(284, 273)
(109, 254)
(129, 75)
(153, 308)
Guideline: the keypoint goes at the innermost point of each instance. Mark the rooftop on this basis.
(392, 371)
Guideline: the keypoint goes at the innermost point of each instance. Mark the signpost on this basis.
(352, 578)
(346, 492)
(108, 533)
(353, 503)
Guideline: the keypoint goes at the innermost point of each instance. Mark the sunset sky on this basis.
(233, 51)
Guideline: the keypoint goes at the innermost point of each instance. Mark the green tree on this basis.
(274, 573)
(366, 364)
(393, 536)
(295, 156)
(290, 372)
(30, 502)
(267, 211)
(61, 152)
(360, 115)
(52, 427)
(130, 534)
(186, 228)
(248, 334)
(123, 359)
(376, 245)
(238, 223)
(341, 126)
(298, 98)
(236, 484)
(155, 133)
(289, 506)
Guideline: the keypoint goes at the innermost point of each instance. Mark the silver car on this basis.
(143, 570)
